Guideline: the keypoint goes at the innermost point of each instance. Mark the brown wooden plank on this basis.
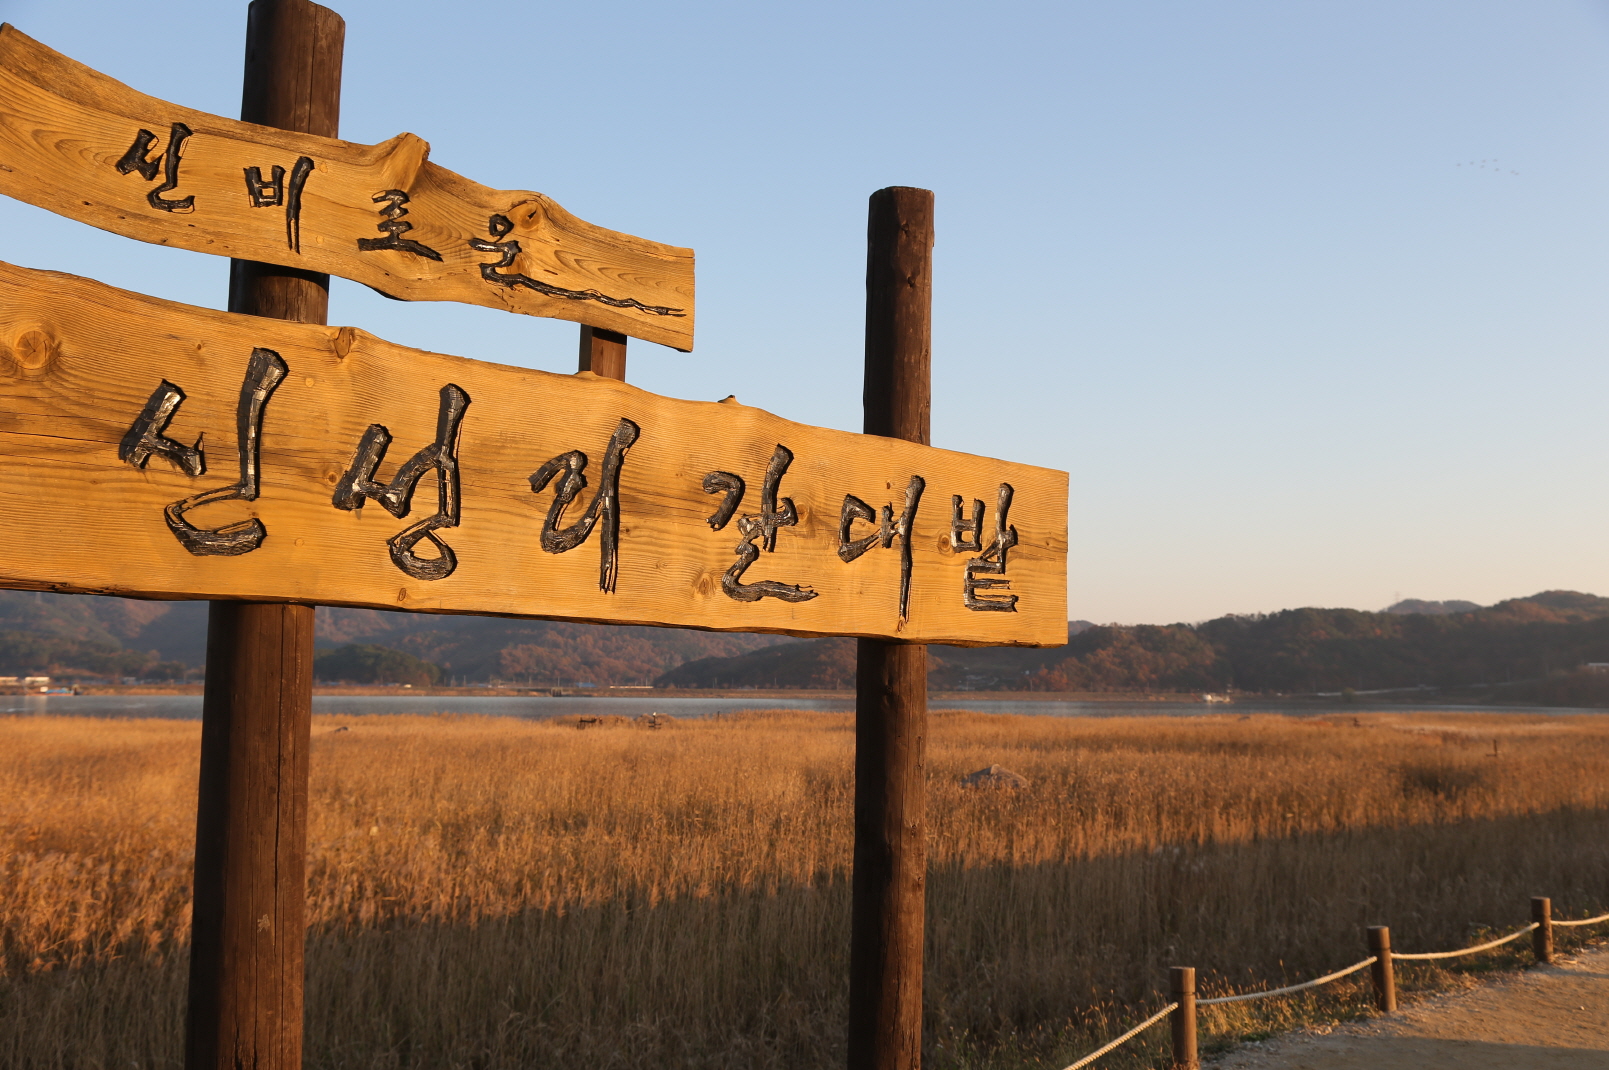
(80, 361)
(65, 129)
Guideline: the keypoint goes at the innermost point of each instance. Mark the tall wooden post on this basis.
(885, 957)
(246, 972)
(603, 353)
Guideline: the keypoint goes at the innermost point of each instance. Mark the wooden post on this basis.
(603, 352)
(1182, 990)
(1542, 935)
(885, 956)
(1385, 981)
(246, 972)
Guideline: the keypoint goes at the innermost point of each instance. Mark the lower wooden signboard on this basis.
(158, 450)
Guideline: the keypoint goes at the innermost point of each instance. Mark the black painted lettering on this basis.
(145, 439)
(264, 372)
(888, 529)
(394, 227)
(966, 534)
(774, 513)
(270, 192)
(730, 485)
(265, 193)
(981, 571)
(396, 497)
(569, 470)
(138, 159)
(499, 226)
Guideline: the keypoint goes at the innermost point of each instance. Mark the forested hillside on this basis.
(88, 635)
(1293, 651)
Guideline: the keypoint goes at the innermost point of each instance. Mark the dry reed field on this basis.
(493, 893)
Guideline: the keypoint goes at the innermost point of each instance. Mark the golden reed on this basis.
(494, 893)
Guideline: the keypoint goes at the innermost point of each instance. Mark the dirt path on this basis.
(1548, 1018)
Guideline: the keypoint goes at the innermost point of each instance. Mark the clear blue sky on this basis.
(1310, 298)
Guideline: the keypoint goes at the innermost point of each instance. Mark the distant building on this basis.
(1596, 666)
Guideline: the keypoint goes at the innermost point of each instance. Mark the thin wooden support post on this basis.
(1542, 935)
(1385, 980)
(603, 352)
(246, 958)
(885, 957)
(1182, 990)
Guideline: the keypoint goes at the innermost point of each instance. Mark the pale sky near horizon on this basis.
(1309, 298)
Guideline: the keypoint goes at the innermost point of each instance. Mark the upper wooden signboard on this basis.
(159, 450)
(86, 146)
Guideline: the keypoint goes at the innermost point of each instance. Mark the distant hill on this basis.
(830, 663)
(537, 651)
(1434, 609)
(91, 635)
(1293, 651)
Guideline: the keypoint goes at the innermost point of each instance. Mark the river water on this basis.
(188, 707)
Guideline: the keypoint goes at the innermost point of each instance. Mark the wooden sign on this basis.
(159, 450)
(88, 147)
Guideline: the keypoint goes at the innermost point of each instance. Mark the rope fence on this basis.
(1583, 921)
(1288, 989)
(1425, 956)
(1126, 1037)
(1182, 981)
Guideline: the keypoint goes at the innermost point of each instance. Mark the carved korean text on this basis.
(271, 192)
(394, 226)
(888, 529)
(145, 439)
(396, 497)
(138, 159)
(774, 513)
(499, 226)
(981, 571)
(567, 474)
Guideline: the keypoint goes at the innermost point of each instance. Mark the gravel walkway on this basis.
(1548, 1018)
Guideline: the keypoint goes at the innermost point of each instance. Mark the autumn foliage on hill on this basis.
(1293, 651)
(820, 663)
(71, 636)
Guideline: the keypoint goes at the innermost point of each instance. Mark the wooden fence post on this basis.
(1182, 990)
(886, 926)
(1385, 981)
(1542, 935)
(246, 972)
(603, 353)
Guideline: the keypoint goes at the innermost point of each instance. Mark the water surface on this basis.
(544, 706)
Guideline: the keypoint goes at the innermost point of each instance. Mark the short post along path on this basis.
(1544, 1018)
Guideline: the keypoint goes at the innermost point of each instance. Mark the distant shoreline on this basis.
(1160, 698)
(663, 693)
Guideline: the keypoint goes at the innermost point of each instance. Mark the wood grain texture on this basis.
(64, 129)
(79, 361)
(246, 954)
(603, 353)
(899, 303)
(248, 932)
(889, 891)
